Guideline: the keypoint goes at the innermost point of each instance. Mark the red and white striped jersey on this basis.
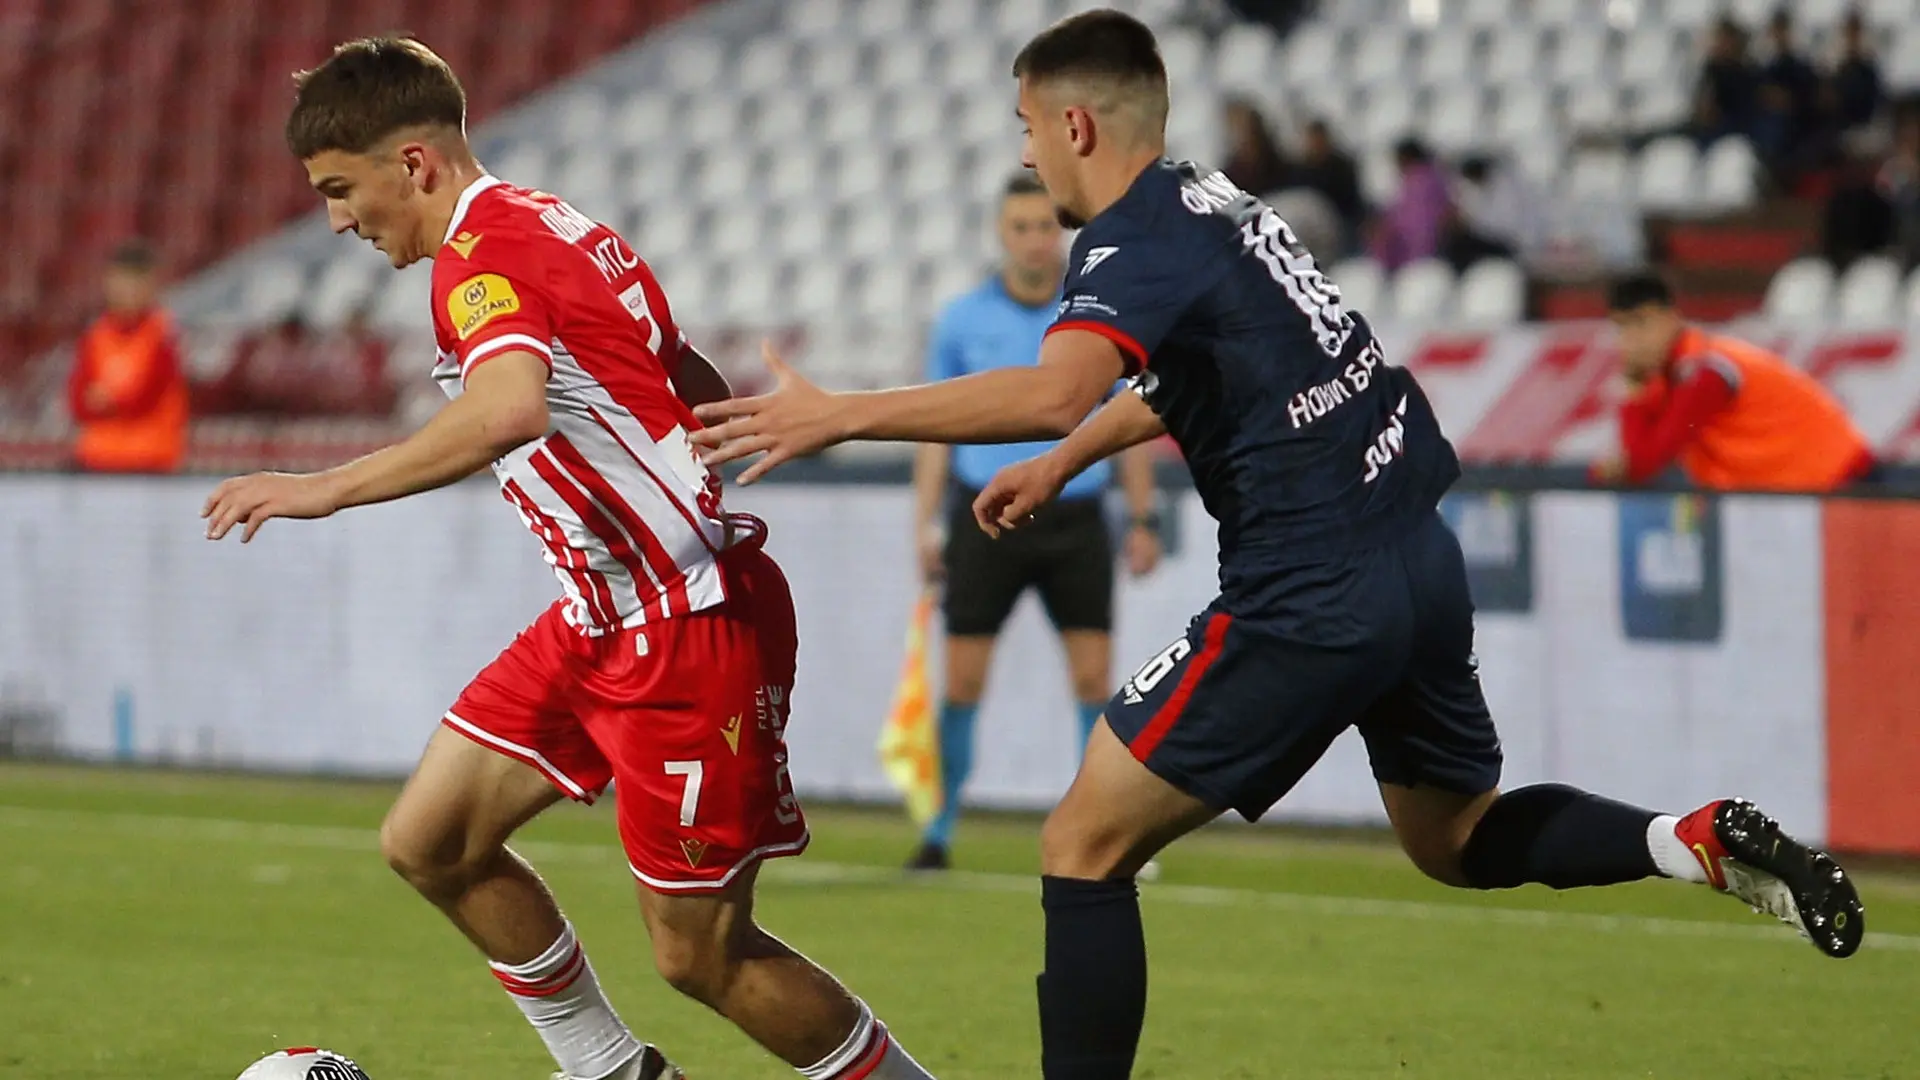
(629, 517)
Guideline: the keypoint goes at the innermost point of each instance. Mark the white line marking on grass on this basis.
(815, 872)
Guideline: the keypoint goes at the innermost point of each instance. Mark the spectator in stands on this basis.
(1323, 167)
(1732, 415)
(1729, 77)
(1788, 126)
(1253, 158)
(1498, 214)
(1787, 68)
(128, 390)
(1856, 76)
(1898, 186)
(1411, 227)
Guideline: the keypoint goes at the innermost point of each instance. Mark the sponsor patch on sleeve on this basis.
(478, 301)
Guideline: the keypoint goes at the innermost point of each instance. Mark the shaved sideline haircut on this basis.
(1108, 56)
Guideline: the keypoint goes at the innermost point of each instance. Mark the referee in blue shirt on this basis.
(1066, 553)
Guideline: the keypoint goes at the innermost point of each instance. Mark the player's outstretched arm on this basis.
(503, 406)
(1017, 404)
(1017, 490)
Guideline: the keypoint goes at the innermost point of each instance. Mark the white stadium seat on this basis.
(1487, 13)
(1422, 291)
(1801, 292)
(1246, 56)
(403, 299)
(793, 178)
(695, 63)
(1583, 59)
(1362, 286)
(1650, 56)
(833, 66)
(851, 121)
(1524, 113)
(1594, 109)
(1513, 56)
(1493, 292)
(1599, 175)
(345, 283)
(642, 120)
(820, 19)
(901, 64)
(1449, 58)
(1730, 175)
(1668, 181)
(1380, 57)
(764, 64)
(1457, 120)
(803, 232)
(1869, 292)
(1312, 55)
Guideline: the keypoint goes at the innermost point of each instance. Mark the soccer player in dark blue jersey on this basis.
(1343, 597)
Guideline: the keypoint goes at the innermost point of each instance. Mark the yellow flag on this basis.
(908, 742)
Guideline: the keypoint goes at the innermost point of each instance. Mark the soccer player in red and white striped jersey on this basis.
(668, 663)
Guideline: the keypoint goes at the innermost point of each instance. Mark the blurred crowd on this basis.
(1475, 208)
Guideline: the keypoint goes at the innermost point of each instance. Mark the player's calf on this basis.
(707, 946)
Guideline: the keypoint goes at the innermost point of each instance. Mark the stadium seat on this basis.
(1594, 109)
(1801, 292)
(1869, 292)
(1600, 175)
(587, 181)
(1422, 291)
(1313, 57)
(967, 63)
(1667, 177)
(852, 120)
(902, 64)
(584, 116)
(1660, 105)
(1582, 60)
(273, 291)
(405, 299)
(1486, 13)
(694, 63)
(1449, 58)
(737, 232)
(819, 290)
(1189, 59)
(782, 115)
(641, 120)
(1730, 175)
(1381, 56)
(1524, 113)
(1362, 286)
(765, 64)
(1456, 121)
(1493, 292)
(1513, 56)
(1650, 56)
(916, 117)
(832, 65)
(1392, 112)
(884, 21)
(814, 19)
(1246, 57)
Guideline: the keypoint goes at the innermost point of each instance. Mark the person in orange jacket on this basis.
(128, 392)
(1734, 416)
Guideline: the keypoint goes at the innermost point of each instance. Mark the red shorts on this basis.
(686, 716)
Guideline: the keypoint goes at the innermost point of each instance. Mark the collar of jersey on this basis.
(465, 203)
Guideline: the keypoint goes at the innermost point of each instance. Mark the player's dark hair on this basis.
(1101, 43)
(369, 89)
(1638, 290)
(137, 255)
(1023, 182)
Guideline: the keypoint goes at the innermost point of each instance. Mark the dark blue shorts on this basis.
(1238, 710)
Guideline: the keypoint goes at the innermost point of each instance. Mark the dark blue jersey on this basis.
(1305, 445)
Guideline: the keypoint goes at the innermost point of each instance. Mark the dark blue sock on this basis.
(956, 761)
(1093, 993)
(1558, 836)
(1090, 712)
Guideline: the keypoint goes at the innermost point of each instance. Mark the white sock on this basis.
(1670, 855)
(868, 1054)
(562, 1000)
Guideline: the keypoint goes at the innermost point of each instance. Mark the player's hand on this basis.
(932, 545)
(1609, 470)
(1015, 492)
(1142, 550)
(252, 500)
(794, 419)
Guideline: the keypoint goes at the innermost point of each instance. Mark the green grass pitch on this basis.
(173, 925)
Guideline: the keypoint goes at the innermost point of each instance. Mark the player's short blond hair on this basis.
(370, 89)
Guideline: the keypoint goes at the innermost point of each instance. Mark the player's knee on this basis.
(1089, 849)
(697, 964)
(437, 866)
(1439, 861)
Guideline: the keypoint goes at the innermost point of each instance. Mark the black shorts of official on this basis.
(1235, 712)
(1064, 553)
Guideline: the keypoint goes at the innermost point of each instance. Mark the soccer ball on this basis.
(303, 1063)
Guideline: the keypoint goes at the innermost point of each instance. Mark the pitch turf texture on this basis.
(175, 925)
